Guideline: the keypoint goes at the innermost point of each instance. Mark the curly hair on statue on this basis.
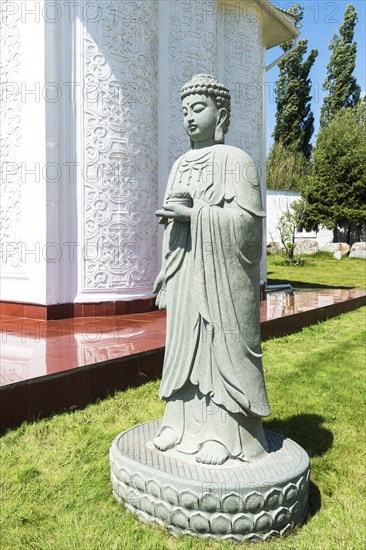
(208, 85)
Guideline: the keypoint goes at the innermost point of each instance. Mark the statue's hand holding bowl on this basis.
(176, 209)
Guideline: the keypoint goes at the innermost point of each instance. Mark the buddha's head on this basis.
(206, 110)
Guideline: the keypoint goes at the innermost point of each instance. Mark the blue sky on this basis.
(321, 19)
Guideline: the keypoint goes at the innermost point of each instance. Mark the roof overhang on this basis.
(278, 25)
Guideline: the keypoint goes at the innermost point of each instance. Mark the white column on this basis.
(192, 49)
(242, 68)
(59, 138)
(37, 141)
(12, 207)
(117, 148)
(187, 46)
(23, 146)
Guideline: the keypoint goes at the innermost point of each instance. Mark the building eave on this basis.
(278, 26)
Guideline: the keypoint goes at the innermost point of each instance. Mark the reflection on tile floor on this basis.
(32, 348)
(281, 304)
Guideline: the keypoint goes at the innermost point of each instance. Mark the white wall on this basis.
(23, 155)
(103, 129)
(279, 202)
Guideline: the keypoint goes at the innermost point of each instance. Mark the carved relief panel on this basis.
(241, 56)
(119, 146)
(116, 63)
(192, 49)
(10, 139)
(230, 49)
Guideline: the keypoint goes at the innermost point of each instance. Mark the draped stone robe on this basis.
(212, 376)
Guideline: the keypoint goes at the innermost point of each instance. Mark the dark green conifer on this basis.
(340, 84)
(294, 118)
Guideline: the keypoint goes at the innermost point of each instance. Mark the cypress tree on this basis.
(341, 85)
(294, 118)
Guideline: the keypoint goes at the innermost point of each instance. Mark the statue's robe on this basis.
(213, 357)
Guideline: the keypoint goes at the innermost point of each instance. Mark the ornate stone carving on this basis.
(237, 502)
(10, 134)
(119, 194)
(187, 18)
(243, 62)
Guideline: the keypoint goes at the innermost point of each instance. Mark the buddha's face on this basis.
(201, 116)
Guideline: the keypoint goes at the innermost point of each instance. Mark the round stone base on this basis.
(237, 501)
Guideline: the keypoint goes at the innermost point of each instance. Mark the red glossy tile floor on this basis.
(33, 348)
(47, 366)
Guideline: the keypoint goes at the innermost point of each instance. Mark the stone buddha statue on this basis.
(209, 283)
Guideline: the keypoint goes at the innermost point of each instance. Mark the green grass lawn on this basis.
(320, 271)
(55, 486)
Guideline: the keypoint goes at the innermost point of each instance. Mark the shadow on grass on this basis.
(315, 500)
(301, 284)
(307, 431)
(304, 429)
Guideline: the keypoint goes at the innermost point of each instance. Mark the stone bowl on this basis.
(182, 199)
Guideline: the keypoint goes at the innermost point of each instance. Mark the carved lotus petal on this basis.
(153, 488)
(287, 529)
(163, 510)
(290, 494)
(124, 475)
(115, 491)
(220, 524)
(210, 502)
(169, 494)
(121, 490)
(114, 478)
(242, 524)
(232, 503)
(147, 505)
(200, 523)
(304, 504)
(254, 502)
(301, 485)
(273, 499)
(189, 500)
(114, 466)
(180, 519)
(281, 517)
(266, 536)
(133, 496)
(263, 522)
(296, 510)
(138, 482)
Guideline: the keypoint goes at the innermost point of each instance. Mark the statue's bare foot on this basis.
(166, 440)
(212, 452)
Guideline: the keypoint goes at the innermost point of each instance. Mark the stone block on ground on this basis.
(307, 247)
(358, 250)
(345, 248)
(274, 248)
(337, 249)
(331, 247)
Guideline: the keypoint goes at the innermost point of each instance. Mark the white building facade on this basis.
(279, 202)
(91, 125)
